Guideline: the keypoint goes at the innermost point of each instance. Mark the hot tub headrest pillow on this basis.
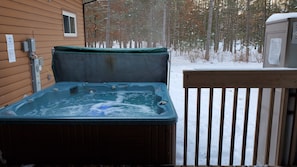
(79, 64)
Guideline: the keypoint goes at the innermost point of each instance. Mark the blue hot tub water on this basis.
(96, 100)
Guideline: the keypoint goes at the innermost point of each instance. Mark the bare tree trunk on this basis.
(108, 25)
(247, 52)
(217, 27)
(164, 25)
(235, 27)
(208, 38)
(150, 25)
(168, 36)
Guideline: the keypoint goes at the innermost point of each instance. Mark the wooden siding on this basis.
(39, 19)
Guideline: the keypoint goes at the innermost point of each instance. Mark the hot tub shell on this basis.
(87, 140)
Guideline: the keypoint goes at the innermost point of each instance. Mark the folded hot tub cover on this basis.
(81, 64)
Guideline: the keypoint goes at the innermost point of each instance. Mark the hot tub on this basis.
(108, 106)
(74, 122)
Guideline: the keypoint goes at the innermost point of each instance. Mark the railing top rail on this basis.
(241, 78)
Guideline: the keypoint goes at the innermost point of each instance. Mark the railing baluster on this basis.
(186, 125)
(209, 127)
(233, 126)
(256, 138)
(268, 135)
(197, 127)
(294, 135)
(246, 115)
(223, 100)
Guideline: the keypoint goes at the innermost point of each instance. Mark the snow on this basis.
(281, 16)
(180, 63)
(193, 60)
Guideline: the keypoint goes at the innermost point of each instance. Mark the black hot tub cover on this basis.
(81, 64)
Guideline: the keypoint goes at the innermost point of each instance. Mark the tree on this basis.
(247, 39)
(217, 33)
(108, 25)
(164, 42)
(209, 27)
(183, 24)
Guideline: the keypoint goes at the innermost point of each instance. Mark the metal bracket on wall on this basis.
(36, 62)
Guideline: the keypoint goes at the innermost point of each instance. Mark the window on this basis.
(69, 20)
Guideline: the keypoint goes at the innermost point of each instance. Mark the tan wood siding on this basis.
(39, 19)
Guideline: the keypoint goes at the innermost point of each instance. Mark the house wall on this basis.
(39, 19)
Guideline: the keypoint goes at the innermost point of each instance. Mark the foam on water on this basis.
(92, 102)
(114, 109)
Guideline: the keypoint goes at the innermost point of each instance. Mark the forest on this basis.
(181, 24)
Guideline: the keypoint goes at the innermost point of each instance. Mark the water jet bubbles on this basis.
(92, 91)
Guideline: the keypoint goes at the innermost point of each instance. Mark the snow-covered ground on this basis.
(180, 63)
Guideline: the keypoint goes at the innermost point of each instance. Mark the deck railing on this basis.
(249, 107)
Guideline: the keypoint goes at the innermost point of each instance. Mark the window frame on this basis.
(69, 15)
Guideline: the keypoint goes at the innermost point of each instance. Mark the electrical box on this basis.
(280, 47)
(31, 44)
(25, 46)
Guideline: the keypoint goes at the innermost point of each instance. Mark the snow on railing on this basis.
(239, 117)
